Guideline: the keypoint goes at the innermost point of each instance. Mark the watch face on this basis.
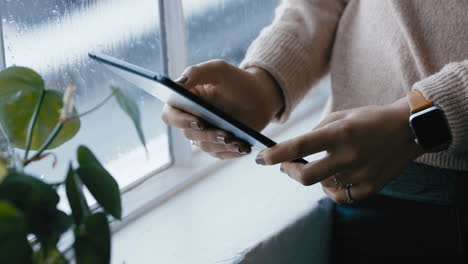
(430, 128)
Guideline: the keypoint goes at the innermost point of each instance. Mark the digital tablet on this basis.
(177, 96)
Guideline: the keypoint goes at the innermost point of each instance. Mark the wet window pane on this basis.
(223, 29)
(53, 37)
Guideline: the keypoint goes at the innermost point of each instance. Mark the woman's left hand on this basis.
(366, 147)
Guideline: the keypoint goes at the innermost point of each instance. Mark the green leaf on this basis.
(130, 107)
(92, 241)
(51, 231)
(59, 223)
(20, 90)
(99, 182)
(14, 246)
(28, 193)
(76, 199)
(36, 199)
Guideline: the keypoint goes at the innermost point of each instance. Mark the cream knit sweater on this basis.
(376, 51)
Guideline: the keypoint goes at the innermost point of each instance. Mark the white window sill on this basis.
(231, 206)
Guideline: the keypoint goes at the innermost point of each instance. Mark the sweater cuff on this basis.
(449, 90)
(282, 55)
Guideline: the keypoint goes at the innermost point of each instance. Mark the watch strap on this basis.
(417, 101)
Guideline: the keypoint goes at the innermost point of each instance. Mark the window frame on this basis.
(2, 49)
(174, 46)
(157, 187)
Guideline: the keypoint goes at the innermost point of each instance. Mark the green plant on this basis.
(39, 120)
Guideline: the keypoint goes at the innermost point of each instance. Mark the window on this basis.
(53, 37)
(224, 29)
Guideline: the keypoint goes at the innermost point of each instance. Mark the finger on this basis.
(213, 147)
(177, 118)
(356, 192)
(209, 135)
(330, 119)
(332, 192)
(313, 172)
(337, 180)
(339, 166)
(299, 147)
(294, 170)
(210, 72)
(226, 155)
(331, 182)
(241, 147)
(341, 179)
(217, 136)
(216, 147)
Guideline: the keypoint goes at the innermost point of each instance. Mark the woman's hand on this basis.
(250, 96)
(366, 147)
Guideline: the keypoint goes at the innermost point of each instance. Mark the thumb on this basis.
(210, 72)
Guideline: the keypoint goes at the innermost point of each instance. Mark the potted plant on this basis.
(38, 120)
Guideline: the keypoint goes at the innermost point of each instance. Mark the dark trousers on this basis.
(382, 228)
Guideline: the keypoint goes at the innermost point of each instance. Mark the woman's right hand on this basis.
(249, 95)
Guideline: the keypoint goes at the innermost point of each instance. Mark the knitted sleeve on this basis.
(296, 48)
(449, 90)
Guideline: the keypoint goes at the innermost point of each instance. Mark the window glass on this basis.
(223, 29)
(53, 37)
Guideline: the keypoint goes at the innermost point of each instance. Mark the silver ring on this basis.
(348, 193)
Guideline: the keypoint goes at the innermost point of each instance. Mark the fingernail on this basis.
(245, 151)
(237, 148)
(259, 160)
(182, 79)
(221, 139)
(282, 169)
(195, 125)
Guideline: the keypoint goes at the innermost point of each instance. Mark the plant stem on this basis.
(95, 107)
(59, 127)
(47, 142)
(32, 123)
(41, 157)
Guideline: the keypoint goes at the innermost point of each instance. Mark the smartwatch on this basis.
(428, 123)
